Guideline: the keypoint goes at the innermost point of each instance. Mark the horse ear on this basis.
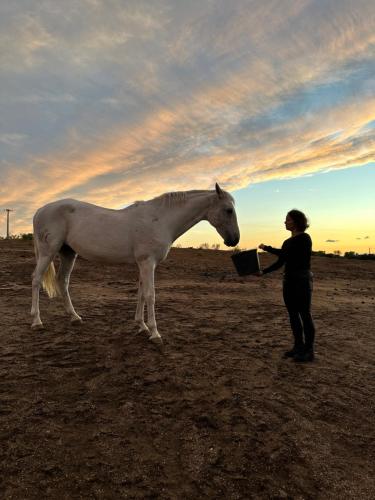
(219, 191)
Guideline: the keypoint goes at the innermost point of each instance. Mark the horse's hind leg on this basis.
(140, 312)
(42, 265)
(67, 260)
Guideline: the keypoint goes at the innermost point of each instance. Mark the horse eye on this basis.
(229, 211)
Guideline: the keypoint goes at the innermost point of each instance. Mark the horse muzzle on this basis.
(231, 242)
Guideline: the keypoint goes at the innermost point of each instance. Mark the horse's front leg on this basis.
(147, 271)
(140, 312)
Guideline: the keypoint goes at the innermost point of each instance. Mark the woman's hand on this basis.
(261, 246)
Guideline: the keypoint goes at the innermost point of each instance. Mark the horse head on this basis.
(222, 216)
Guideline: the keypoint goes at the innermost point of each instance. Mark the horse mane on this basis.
(171, 199)
(178, 197)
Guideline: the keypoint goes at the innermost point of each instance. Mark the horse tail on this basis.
(49, 281)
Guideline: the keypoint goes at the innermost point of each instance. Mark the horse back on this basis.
(98, 233)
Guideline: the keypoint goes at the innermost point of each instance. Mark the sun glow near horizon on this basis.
(336, 224)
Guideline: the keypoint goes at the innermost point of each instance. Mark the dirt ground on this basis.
(97, 411)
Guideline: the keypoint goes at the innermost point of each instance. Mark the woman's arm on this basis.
(280, 261)
(276, 265)
(269, 249)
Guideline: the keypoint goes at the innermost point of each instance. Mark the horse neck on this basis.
(181, 217)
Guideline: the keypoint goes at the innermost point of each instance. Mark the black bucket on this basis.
(246, 262)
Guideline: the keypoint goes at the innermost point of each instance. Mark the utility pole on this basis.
(7, 210)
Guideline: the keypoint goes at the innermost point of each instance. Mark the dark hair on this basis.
(299, 219)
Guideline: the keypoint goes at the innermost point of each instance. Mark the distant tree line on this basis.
(347, 255)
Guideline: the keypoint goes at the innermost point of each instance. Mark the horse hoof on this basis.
(37, 326)
(76, 321)
(156, 340)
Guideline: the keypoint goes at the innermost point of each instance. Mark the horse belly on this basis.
(106, 245)
(104, 255)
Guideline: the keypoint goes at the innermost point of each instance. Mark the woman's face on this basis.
(289, 223)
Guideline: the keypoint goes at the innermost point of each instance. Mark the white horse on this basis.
(141, 233)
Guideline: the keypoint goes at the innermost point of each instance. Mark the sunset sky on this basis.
(113, 101)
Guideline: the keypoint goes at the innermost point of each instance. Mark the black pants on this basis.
(297, 292)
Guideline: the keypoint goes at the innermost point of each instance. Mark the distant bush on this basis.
(21, 236)
(206, 246)
(26, 236)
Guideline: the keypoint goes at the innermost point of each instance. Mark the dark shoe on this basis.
(293, 352)
(304, 357)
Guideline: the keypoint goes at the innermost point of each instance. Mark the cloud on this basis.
(332, 241)
(12, 139)
(121, 103)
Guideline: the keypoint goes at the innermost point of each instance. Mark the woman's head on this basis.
(295, 219)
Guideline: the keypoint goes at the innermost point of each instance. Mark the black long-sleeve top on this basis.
(295, 253)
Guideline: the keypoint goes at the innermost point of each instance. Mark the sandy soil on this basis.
(97, 411)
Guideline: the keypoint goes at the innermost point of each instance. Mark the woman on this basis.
(295, 253)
